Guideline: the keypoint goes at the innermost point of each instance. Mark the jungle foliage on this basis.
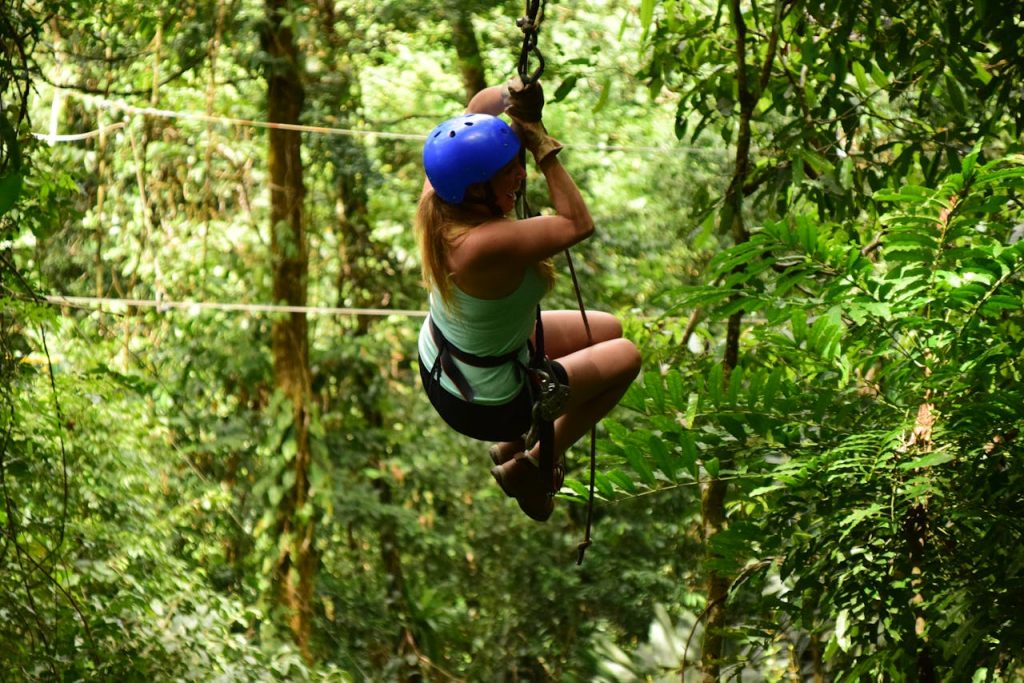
(809, 216)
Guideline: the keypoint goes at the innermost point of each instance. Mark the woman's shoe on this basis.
(500, 458)
(537, 506)
(496, 457)
(521, 478)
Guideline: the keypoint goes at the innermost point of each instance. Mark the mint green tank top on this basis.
(485, 327)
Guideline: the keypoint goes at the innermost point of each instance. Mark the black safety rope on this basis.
(530, 25)
(581, 550)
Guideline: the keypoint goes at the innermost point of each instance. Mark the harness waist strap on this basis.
(446, 351)
(465, 356)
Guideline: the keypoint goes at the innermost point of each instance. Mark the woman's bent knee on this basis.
(622, 359)
(607, 326)
(629, 358)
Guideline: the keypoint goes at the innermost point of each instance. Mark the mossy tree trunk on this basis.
(295, 566)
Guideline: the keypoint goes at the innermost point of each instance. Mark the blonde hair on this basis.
(438, 225)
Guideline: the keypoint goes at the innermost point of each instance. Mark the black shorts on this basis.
(502, 422)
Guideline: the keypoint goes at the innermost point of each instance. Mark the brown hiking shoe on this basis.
(498, 458)
(537, 506)
(522, 479)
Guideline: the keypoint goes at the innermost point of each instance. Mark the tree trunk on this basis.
(715, 491)
(470, 61)
(362, 283)
(295, 566)
(915, 528)
(207, 210)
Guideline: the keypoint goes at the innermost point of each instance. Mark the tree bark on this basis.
(467, 48)
(915, 527)
(715, 491)
(361, 283)
(207, 210)
(295, 566)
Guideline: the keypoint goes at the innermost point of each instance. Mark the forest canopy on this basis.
(217, 463)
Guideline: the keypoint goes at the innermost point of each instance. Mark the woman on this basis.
(487, 273)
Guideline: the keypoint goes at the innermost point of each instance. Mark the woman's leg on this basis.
(598, 378)
(564, 334)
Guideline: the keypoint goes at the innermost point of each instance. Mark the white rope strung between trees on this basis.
(162, 305)
(195, 306)
(130, 110)
(75, 137)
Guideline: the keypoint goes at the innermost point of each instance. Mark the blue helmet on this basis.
(465, 150)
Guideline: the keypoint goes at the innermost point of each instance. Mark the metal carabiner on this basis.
(524, 65)
(530, 25)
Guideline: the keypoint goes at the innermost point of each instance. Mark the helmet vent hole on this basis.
(451, 134)
(469, 123)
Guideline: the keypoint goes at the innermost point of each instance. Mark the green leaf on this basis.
(616, 430)
(820, 164)
(995, 176)
(733, 425)
(690, 454)
(622, 480)
(675, 390)
(712, 466)
(771, 387)
(930, 460)
(956, 95)
(655, 390)
(564, 88)
(646, 15)
(579, 488)
(879, 77)
(662, 458)
(856, 517)
(715, 379)
(636, 460)
(1002, 302)
(969, 162)
(692, 406)
(842, 631)
(603, 485)
(862, 78)
(602, 100)
(10, 191)
(735, 385)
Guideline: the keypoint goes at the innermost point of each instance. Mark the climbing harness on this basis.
(547, 394)
(530, 25)
(446, 352)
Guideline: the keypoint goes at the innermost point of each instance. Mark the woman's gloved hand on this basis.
(523, 102)
(535, 138)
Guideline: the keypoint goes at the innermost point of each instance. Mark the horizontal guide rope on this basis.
(163, 304)
(322, 130)
(166, 305)
(74, 137)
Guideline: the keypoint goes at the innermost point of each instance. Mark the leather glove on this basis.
(523, 102)
(536, 139)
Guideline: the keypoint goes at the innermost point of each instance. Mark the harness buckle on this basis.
(553, 394)
(550, 400)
